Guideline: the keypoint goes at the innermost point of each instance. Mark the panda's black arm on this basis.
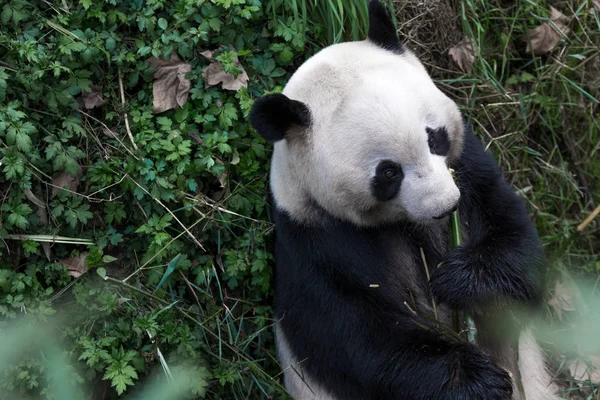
(502, 255)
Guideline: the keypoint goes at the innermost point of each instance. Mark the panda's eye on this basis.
(387, 180)
(438, 141)
(389, 173)
(388, 170)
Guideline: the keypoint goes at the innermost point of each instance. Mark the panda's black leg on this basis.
(502, 256)
(428, 367)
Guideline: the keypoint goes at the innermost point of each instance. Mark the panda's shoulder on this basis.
(475, 160)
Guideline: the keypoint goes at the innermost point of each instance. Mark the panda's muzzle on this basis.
(447, 212)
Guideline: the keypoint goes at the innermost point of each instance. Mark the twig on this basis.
(427, 273)
(589, 219)
(50, 239)
(172, 215)
(191, 289)
(126, 116)
(141, 291)
(116, 137)
(410, 308)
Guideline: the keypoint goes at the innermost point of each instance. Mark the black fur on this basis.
(362, 342)
(502, 260)
(385, 188)
(381, 28)
(438, 140)
(273, 115)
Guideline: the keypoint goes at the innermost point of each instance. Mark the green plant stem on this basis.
(456, 236)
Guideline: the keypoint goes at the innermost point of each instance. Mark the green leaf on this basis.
(286, 54)
(215, 24)
(162, 23)
(17, 220)
(6, 14)
(23, 209)
(111, 44)
(120, 372)
(227, 115)
(101, 272)
(224, 148)
(71, 218)
(83, 213)
(108, 259)
(3, 83)
(169, 271)
(120, 382)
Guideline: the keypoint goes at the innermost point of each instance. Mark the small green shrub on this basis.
(153, 253)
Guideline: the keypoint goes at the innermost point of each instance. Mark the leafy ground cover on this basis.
(134, 215)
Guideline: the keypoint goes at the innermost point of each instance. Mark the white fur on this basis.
(537, 381)
(296, 381)
(367, 105)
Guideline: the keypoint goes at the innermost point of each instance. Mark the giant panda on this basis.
(363, 144)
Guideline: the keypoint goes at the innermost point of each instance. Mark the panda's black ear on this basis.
(382, 31)
(274, 114)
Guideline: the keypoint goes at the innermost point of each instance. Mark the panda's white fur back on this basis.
(537, 380)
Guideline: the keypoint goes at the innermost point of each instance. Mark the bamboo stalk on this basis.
(456, 240)
(50, 239)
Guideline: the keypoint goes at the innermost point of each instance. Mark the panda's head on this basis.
(362, 132)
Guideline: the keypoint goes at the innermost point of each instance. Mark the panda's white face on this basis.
(378, 144)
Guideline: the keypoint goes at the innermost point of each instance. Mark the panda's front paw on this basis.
(476, 376)
(455, 282)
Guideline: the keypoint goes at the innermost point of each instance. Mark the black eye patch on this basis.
(438, 141)
(386, 182)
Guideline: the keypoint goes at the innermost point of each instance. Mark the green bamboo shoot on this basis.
(456, 240)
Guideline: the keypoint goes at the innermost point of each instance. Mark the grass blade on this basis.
(169, 271)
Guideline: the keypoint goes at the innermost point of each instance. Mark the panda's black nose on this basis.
(446, 213)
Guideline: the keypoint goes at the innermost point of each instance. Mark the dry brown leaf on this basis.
(215, 74)
(596, 5)
(223, 179)
(561, 300)
(77, 266)
(544, 38)
(464, 54)
(93, 99)
(171, 86)
(582, 371)
(208, 55)
(219, 260)
(566, 297)
(61, 180)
